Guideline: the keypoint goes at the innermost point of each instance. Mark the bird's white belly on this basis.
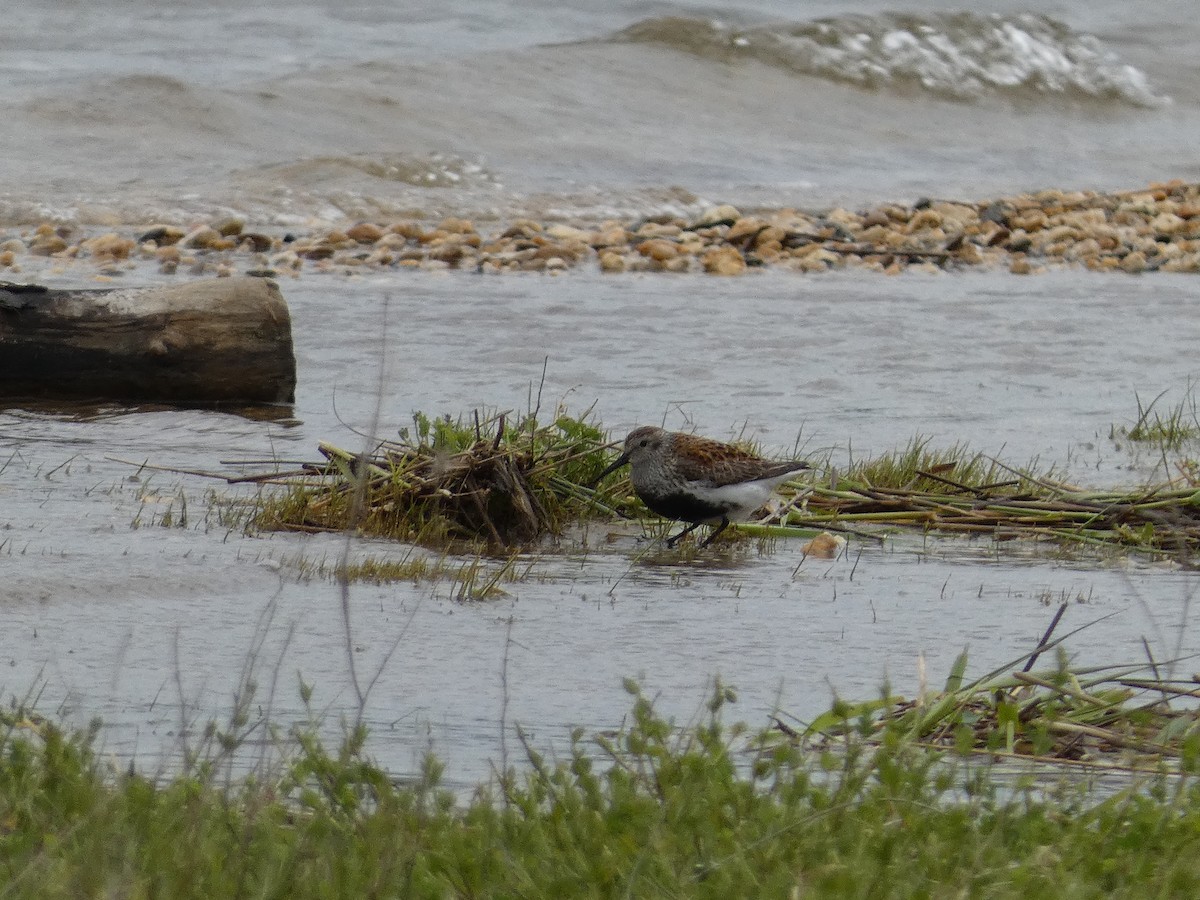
(737, 500)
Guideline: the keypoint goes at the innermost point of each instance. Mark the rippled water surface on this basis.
(132, 112)
(109, 613)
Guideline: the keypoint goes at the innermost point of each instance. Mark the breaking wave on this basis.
(963, 56)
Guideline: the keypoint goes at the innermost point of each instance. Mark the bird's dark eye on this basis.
(644, 442)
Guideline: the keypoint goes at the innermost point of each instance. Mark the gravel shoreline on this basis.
(1152, 229)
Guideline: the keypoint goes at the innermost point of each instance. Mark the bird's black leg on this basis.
(671, 542)
(708, 540)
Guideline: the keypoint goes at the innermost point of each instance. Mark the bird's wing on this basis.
(735, 471)
(705, 460)
(720, 473)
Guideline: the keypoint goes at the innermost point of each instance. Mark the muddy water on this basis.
(109, 613)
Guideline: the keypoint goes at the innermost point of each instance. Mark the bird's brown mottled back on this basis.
(703, 459)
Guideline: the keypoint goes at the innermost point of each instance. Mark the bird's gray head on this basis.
(643, 443)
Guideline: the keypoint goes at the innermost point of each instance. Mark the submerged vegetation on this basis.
(469, 578)
(710, 810)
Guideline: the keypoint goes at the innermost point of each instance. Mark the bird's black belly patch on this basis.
(684, 507)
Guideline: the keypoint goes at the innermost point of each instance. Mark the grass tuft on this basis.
(1179, 426)
(493, 481)
(1107, 718)
(921, 468)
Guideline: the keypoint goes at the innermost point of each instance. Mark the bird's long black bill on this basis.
(620, 461)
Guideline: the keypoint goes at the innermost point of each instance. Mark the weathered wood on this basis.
(223, 340)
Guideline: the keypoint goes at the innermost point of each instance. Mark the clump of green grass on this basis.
(919, 467)
(707, 810)
(1179, 426)
(1109, 717)
(500, 481)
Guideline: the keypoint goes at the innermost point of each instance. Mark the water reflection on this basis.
(91, 411)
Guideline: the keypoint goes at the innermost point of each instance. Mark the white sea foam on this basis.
(962, 55)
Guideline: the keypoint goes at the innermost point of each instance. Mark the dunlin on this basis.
(698, 480)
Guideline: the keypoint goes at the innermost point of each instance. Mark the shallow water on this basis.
(110, 614)
(298, 115)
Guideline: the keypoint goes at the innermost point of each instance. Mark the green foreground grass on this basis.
(711, 810)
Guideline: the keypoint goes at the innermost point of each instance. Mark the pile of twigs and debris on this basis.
(486, 480)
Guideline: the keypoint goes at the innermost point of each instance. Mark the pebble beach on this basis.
(1156, 228)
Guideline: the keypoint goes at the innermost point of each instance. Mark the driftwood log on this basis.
(222, 340)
